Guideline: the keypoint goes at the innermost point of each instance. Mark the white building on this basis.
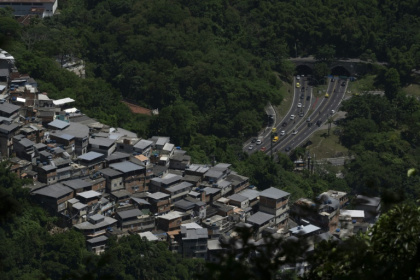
(43, 8)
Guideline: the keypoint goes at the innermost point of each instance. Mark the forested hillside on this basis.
(210, 67)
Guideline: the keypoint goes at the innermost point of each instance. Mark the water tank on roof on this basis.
(353, 221)
(44, 163)
(337, 230)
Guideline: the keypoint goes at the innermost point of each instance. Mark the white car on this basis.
(258, 142)
(294, 132)
(250, 147)
(299, 105)
(292, 117)
(282, 133)
(298, 77)
(332, 112)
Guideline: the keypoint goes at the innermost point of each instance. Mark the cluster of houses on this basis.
(106, 181)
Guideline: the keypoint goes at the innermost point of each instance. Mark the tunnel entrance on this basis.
(340, 71)
(303, 70)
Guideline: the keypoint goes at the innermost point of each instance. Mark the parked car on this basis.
(318, 122)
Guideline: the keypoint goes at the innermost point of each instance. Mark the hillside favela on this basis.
(220, 139)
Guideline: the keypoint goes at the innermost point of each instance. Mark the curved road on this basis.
(316, 109)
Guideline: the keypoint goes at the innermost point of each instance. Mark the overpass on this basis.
(339, 67)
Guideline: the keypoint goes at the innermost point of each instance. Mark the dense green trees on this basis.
(391, 250)
(376, 131)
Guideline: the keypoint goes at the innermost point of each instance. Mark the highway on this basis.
(315, 108)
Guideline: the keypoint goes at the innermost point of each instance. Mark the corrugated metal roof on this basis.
(158, 195)
(77, 184)
(101, 238)
(129, 213)
(110, 172)
(89, 194)
(54, 191)
(126, 166)
(90, 156)
(9, 108)
(274, 193)
(180, 186)
(304, 229)
(251, 194)
(143, 144)
(260, 218)
(237, 197)
(59, 124)
(106, 142)
(63, 100)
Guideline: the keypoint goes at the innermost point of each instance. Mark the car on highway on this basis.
(332, 79)
(251, 147)
(263, 149)
(273, 130)
(282, 133)
(275, 139)
(301, 114)
(254, 140)
(294, 132)
(284, 124)
(309, 124)
(327, 95)
(343, 84)
(298, 77)
(308, 119)
(292, 117)
(332, 112)
(302, 96)
(258, 142)
(288, 148)
(297, 85)
(308, 97)
(318, 122)
(299, 105)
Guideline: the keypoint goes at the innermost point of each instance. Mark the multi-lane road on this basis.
(304, 117)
